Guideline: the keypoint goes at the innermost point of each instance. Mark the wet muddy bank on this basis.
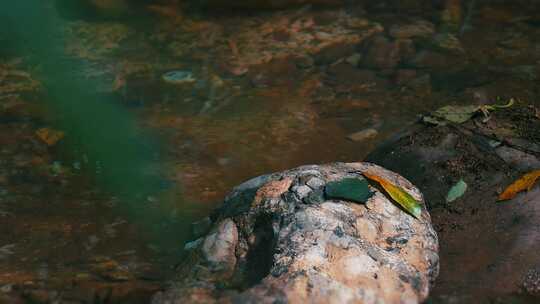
(489, 248)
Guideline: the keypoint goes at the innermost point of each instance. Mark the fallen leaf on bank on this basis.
(49, 136)
(485, 109)
(496, 106)
(456, 114)
(456, 191)
(399, 195)
(524, 183)
(461, 114)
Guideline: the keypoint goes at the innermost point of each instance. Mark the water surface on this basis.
(103, 213)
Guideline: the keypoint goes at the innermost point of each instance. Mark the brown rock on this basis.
(406, 47)
(333, 53)
(421, 85)
(382, 54)
(272, 189)
(347, 78)
(418, 29)
(280, 36)
(438, 61)
(449, 42)
(276, 72)
(403, 76)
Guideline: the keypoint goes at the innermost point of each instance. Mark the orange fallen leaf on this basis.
(526, 182)
(49, 136)
(399, 195)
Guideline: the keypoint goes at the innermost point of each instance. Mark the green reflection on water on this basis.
(104, 131)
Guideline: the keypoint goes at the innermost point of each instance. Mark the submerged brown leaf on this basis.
(49, 136)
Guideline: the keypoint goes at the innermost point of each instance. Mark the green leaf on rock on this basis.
(399, 195)
(350, 189)
(456, 191)
(456, 114)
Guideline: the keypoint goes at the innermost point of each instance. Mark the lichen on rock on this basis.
(274, 243)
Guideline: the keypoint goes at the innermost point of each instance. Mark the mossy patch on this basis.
(350, 189)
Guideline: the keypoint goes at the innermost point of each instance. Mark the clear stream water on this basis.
(104, 212)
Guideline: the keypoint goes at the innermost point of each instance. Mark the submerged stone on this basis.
(363, 134)
(178, 77)
(349, 189)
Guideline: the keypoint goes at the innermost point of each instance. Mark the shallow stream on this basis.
(122, 123)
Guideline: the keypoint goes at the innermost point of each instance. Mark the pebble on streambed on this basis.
(178, 77)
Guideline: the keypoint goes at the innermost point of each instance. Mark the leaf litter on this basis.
(49, 136)
(461, 114)
(524, 183)
(457, 191)
(399, 195)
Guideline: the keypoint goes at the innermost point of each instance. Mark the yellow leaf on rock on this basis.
(526, 182)
(49, 136)
(399, 195)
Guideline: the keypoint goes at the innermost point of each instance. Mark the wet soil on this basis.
(487, 247)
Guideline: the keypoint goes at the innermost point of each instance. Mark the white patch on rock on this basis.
(315, 183)
(301, 191)
(219, 245)
(361, 264)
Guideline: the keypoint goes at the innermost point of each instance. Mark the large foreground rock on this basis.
(279, 239)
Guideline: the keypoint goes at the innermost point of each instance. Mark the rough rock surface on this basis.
(278, 239)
